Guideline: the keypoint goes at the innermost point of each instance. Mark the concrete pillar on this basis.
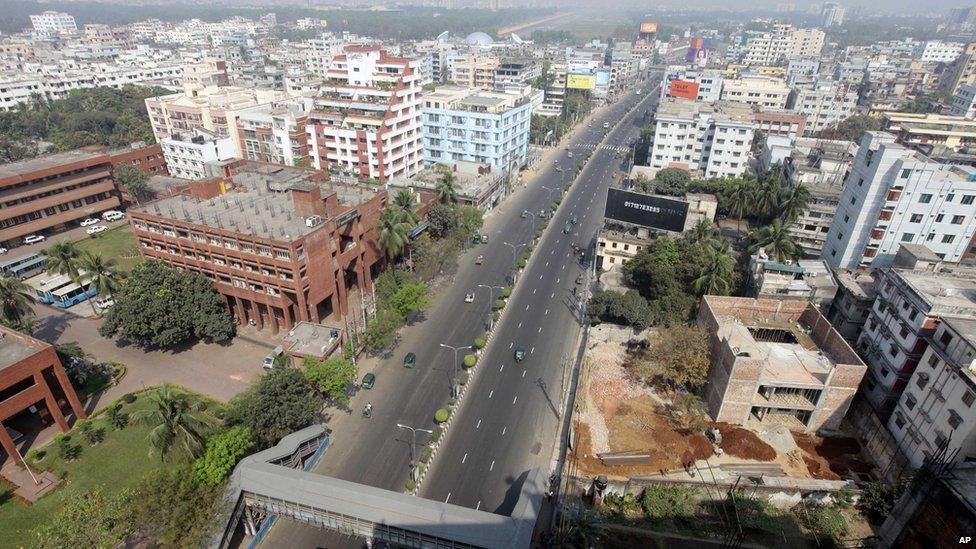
(286, 315)
(343, 292)
(256, 315)
(273, 318)
(69, 392)
(52, 403)
(8, 444)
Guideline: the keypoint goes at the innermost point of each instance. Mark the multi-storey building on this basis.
(924, 131)
(936, 406)
(825, 104)
(961, 71)
(760, 91)
(467, 124)
(53, 22)
(367, 118)
(709, 139)
(782, 43)
(187, 153)
(276, 132)
(894, 195)
(806, 43)
(964, 102)
(147, 158)
(475, 71)
(937, 51)
(707, 83)
(555, 92)
(49, 192)
(909, 308)
(806, 279)
(852, 305)
(280, 244)
(516, 73)
(780, 123)
(777, 362)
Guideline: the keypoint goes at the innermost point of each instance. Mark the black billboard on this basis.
(645, 210)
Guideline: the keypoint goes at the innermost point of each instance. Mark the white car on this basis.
(469, 297)
(113, 215)
(88, 222)
(3, 251)
(96, 229)
(104, 302)
(34, 239)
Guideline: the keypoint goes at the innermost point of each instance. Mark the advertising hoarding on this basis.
(645, 210)
(603, 78)
(648, 28)
(581, 66)
(683, 89)
(580, 81)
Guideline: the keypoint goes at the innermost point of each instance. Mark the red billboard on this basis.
(683, 89)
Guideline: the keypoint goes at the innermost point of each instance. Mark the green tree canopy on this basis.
(672, 182)
(442, 219)
(409, 298)
(175, 419)
(223, 452)
(331, 376)
(852, 128)
(279, 402)
(161, 307)
(16, 310)
(133, 180)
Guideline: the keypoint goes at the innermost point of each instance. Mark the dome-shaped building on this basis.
(479, 39)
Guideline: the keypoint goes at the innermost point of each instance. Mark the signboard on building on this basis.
(580, 81)
(648, 28)
(581, 66)
(603, 78)
(655, 212)
(683, 89)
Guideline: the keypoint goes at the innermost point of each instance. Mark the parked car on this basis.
(269, 361)
(3, 251)
(484, 239)
(34, 239)
(96, 229)
(113, 215)
(104, 302)
(89, 222)
(479, 260)
(410, 360)
(525, 213)
(569, 154)
(579, 279)
(568, 228)
(469, 297)
(368, 381)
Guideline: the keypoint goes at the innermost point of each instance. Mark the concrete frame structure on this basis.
(777, 361)
(29, 371)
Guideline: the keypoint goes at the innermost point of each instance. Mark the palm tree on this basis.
(62, 258)
(718, 271)
(739, 195)
(175, 419)
(766, 196)
(585, 529)
(776, 240)
(702, 231)
(101, 272)
(394, 232)
(447, 191)
(15, 303)
(794, 201)
(405, 201)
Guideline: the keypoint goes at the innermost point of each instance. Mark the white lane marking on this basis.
(540, 277)
(478, 426)
(478, 506)
(502, 367)
(547, 312)
(526, 307)
(510, 345)
(465, 458)
(447, 498)
(534, 289)
(540, 329)
(563, 267)
(519, 326)
(492, 465)
(547, 263)
(504, 429)
(557, 281)
(552, 295)
(514, 400)
(532, 351)
(491, 393)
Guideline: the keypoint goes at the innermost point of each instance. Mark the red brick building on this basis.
(281, 244)
(148, 158)
(49, 192)
(31, 376)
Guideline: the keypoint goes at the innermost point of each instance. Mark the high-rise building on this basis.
(53, 22)
(895, 195)
(961, 71)
(367, 118)
(276, 132)
(764, 92)
(964, 102)
(709, 139)
(824, 104)
(832, 14)
(187, 153)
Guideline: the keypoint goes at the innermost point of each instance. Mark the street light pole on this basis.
(454, 387)
(514, 256)
(413, 447)
(491, 300)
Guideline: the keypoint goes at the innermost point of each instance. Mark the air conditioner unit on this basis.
(313, 220)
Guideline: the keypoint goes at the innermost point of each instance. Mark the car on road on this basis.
(89, 222)
(96, 229)
(569, 154)
(484, 239)
(34, 239)
(579, 279)
(469, 297)
(525, 213)
(574, 220)
(113, 215)
(479, 260)
(104, 302)
(567, 228)
(559, 168)
(606, 125)
(410, 360)
(519, 354)
(542, 214)
(368, 381)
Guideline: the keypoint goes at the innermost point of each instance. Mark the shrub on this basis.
(669, 502)
(480, 342)
(825, 520)
(68, 451)
(425, 455)
(463, 378)
(435, 434)
(117, 418)
(129, 398)
(520, 264)
(470, 360)
(507, 291)
(411, 485)
(525, 256)
(36, 455)
(202, 406)
(499, 304)
(223, 452)
(495, 316)
(441, 415)
(530, 248)
(878, 499)
(93, 435)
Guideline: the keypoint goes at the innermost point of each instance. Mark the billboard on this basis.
(645, 210)
(683, 89)
(580, 81)
(697, 56)
(603, 77)
(581, 66)
(648, 28)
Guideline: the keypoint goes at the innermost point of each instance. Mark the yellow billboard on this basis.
(648, 28)
(581, 81)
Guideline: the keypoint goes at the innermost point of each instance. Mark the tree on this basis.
(717, 272)
(161, 307)
(679, 354)
(470, 221)
(405, 200)
(88, 519)
(777, 241)
(852, 128)
(132, 179)
(442, 219)
(672, 182)
(62, 258)
(223, 452)
(174, 418)
(331, 376)
(15, 303)
(794, 201)
(703, 231)
(174, 507)
(393, 231)
(101, 273)
(766, 196)
(278, 403)
(739, 197)
(447, 188)
(409, 298)
(381, 330)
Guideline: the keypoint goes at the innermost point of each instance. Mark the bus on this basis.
(73, 293)
(23, 267)
(45, 288)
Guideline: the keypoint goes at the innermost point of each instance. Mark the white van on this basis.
(113, 215)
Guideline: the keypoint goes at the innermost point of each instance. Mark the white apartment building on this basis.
(908, 309)
(53, 22)
(275, 132)
(765, 92)
(895, 195)
(709, 82)
(709, 139)
(806, 43)
(824, 104)
(367, 117)
(964, 102)
(937, 51)
(782, 43)
(832, 14)
(186, 153)
(555, 92)
(475, 71)
(936, 406)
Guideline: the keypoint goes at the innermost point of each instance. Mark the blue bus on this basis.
(73, 293)
(45, 293)
(23, 267)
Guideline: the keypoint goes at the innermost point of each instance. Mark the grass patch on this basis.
(118, 243)
(116, 463)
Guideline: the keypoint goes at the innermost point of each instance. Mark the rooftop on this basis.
(948, 293)
(310, 339)
(729, 111)
(15, 347)
(48, 161)
(859, 283)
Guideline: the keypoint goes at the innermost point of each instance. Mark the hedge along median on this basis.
(470, 361)
(441, 415)
(480, 342)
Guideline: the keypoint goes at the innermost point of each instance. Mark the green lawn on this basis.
(116, 463)
(118, 244)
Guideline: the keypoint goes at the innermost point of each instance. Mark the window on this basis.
(847, 218)
(916, 218)
(910, 401)
(968, 399)
(925, 198)
(907, 237)
(939, 218)
(958, 219)
(945, 339)
(948, 238)
(923, 380)
(949, 197)
(899, 420)
(906, 173)
(955, 420)
(853, 200)
(968, 198)
(904, 332)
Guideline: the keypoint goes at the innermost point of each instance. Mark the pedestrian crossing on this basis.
(591, 146)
